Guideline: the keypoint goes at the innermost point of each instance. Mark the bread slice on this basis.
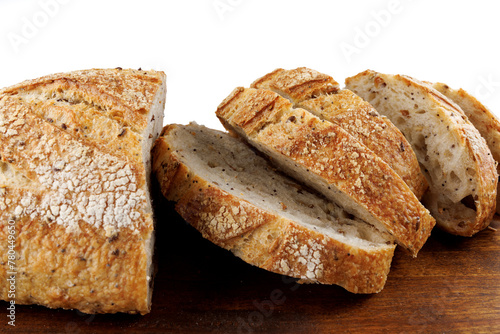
(75, 168)
(321, 95)
(239, 202)
(455, 158)
(481, 117)
(325, 157)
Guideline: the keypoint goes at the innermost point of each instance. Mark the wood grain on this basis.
(453, 286)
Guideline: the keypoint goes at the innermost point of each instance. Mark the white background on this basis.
(208, 47)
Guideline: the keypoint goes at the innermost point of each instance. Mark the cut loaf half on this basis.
(454, 157)
(74, 178)
(239, 202)
(481, 117)
(321, 95)
(325, 157)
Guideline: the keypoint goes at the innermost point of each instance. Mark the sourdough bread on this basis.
(239, 202)
(325, 157)
(321, 95)
(454, 157)
(481, 117)
(75, 168)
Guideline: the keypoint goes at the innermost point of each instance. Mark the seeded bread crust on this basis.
(261, 237)
(321, 95)
(74, 181)
(481, 117)
(327, 158)
(451, 214)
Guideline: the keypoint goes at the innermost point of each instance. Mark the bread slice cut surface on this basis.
(481, 117)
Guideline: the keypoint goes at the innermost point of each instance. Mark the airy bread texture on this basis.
(481, 117)
(75, 168)
(324, 156)
(239, 202)
(321, 95)
(454, 157)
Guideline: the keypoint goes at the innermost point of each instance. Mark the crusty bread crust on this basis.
(481, 117)
(321, 95)
(75, 183)
(263, 238)
(474, 146)
(123, 95)
(327, 158)
(298, 85)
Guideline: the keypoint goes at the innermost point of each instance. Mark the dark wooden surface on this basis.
(452, 287)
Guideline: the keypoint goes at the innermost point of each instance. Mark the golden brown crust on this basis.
(331, 154)
(299, 85)
(263, 238)
(71, 151)
(123, 95)
(324, 99)
(485, 167)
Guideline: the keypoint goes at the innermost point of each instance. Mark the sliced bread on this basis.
(324, 156)
(75, 166)
(239, 202)
(454, 157)
(321, 95)
(481, 117)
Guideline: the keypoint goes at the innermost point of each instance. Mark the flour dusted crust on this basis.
(264, 238)
(322, 96)
(82, 183)
(327, 158)
(75, 181)
(459, 165)
(481, 117)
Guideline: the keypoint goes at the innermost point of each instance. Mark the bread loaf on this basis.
(239, 202)
(321, 95)
(324, 156)
(75, 167)
(455, 158)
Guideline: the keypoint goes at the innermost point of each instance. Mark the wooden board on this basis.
(452, 287)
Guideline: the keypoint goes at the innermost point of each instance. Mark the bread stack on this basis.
(319, 183)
